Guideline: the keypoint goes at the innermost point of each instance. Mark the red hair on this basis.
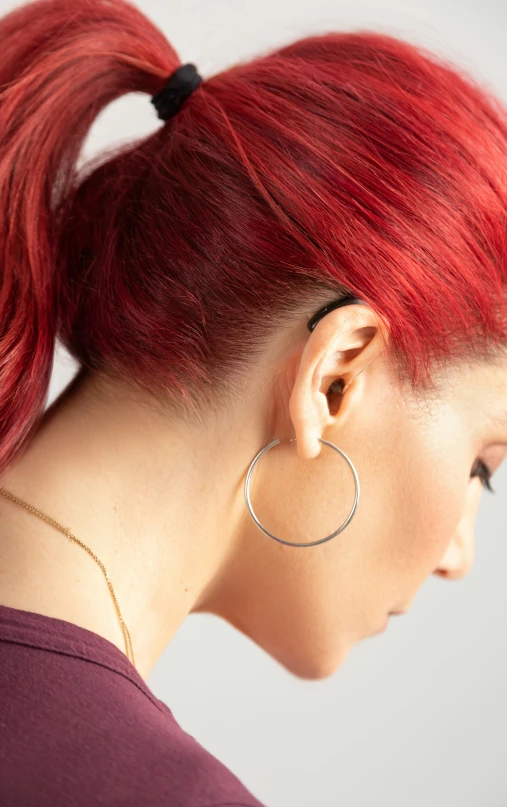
(346, 162)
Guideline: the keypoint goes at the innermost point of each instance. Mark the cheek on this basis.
(430, 488)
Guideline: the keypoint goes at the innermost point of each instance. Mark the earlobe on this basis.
(316, 407)
(307, 414)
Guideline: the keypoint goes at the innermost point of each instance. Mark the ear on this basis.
(342, 345)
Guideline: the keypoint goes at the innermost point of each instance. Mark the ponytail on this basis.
(62, 63)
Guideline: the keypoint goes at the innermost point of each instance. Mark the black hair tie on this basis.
(179, 86)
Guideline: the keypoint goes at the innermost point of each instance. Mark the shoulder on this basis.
(89, 734)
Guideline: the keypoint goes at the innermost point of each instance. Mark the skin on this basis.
(161, 501)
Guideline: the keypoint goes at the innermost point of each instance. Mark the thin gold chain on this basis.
(66, 530)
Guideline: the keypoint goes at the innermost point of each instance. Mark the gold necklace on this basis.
(66, 530)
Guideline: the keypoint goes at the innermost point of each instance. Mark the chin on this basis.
(309, 664)
(312, 667)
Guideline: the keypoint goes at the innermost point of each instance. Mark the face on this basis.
(307, 606)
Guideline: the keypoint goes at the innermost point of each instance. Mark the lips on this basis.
(397, 613)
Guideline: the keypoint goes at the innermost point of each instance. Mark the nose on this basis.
(459, 555)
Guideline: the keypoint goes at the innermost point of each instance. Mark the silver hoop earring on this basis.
(291, 543)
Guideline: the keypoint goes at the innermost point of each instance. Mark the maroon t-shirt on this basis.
(80, 727)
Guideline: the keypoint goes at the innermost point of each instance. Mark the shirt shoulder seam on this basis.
(76, 654)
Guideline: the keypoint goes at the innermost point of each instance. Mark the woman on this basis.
(289, 308)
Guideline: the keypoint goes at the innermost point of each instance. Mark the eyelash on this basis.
(484, 475)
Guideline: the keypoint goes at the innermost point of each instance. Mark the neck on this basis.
(140, 490)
